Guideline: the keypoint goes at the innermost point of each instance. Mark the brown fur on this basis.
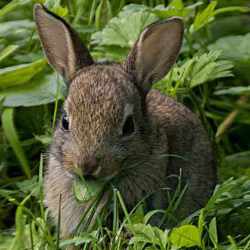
(100, 98)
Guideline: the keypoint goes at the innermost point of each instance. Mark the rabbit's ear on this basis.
(61, 44)
(155, 52)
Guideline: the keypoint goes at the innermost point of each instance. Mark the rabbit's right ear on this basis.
(155, 52)
(61, 44)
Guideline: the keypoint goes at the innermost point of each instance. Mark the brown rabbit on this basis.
(114, 123)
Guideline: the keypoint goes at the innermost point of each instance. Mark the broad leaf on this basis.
(148, 234)
(236, 49)
(124, 30)
(20, 74)
(185, 236)
(138, 215)
(42, 89)
(17, 31)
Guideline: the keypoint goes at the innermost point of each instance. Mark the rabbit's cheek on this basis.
(70, 157)
(109, 167)
(68, 161)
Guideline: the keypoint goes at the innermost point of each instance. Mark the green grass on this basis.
(211, 77)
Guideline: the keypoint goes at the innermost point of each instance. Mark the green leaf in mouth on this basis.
(86, 190)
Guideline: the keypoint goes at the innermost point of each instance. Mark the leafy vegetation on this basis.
(211, 77)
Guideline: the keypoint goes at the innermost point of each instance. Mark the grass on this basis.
(131, 230)
(211, 77)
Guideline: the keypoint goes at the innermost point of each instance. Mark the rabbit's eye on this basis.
(65, 122)
(128, 126)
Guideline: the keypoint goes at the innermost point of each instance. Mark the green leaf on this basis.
(29, 186)
(150, 214)
(229, 195)
(185, 236)
(208, 67)
(175, 8)
(81, 239)
(178, 4)
(56, 7)
(148, 234)
(117, 6)
(241, 160)
(201, 221)
(235, 48)
(138, 215)
(103, 14)
(44, 139)
(20, 220)
(240, 90)
(42, 89)
(19, 32)
(78, 240)
(6, 240)
(124, 30)
(163, 12)
(204, 17)
(86, 190)
(14, 4)
(232, 9)
(196, 71)
(233, 244)
(11, 135)
(20, 74)
(119, 35)
(213, 235)
(7, 51)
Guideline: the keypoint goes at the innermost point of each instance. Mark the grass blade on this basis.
(12, 136)
(7, 51)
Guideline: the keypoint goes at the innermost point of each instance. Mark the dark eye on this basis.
(128, 126)
(65, 121)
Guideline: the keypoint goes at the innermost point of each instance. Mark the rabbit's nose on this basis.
(91, 167)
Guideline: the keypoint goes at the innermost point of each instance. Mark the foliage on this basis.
(196, 71)
(119, 35)
(211, 77)
(235, 49)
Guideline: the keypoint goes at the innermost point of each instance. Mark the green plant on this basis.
(211, 77)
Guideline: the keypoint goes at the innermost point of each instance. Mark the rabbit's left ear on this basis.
(61, 44)
(155, 52)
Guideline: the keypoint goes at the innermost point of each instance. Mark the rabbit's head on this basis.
(104, 125)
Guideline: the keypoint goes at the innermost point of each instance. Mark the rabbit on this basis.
(113, 123)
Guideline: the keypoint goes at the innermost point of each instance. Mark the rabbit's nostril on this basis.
(90, 167)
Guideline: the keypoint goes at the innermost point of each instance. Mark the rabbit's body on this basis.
(177, 141)
(114, 125)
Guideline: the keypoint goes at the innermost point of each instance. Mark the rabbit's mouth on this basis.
(97, 171)
(102, 172)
